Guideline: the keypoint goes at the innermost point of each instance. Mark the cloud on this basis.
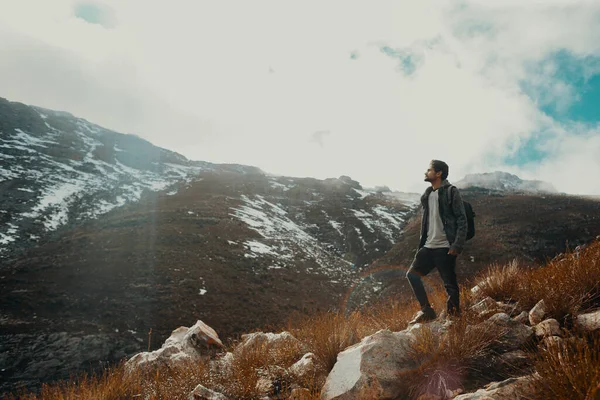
(434, 79)
(318, 136)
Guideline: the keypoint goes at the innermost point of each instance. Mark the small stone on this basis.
(590, 321)
(537, 313)
(549, 327)
(484, 305)
(204, 393)
(522, 318)
(264, 385)
(476, 292)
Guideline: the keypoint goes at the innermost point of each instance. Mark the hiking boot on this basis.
(425, 315)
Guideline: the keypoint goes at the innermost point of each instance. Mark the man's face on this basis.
(431, 175)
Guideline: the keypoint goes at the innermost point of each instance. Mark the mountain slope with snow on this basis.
(56, 170)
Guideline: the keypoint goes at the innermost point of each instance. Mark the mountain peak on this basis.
(504, 181)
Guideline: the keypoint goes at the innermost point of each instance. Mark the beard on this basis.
(427, 179)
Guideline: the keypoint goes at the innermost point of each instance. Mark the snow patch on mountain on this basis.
(58, 171)
(287, 240)
(504, 181)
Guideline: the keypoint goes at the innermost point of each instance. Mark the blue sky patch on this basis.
(94, 13)
(530, 151)
(408, 61)
(567, 87)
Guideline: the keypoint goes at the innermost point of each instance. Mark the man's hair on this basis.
(440, 166)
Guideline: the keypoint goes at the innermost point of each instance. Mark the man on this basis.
(443, 235)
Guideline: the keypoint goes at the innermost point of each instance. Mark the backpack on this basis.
(470, 216)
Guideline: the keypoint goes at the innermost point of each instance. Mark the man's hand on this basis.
(453, 252)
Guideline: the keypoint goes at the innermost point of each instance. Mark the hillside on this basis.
(237, 250)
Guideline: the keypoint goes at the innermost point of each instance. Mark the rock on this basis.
(275, 341)
(589, 321)
(522, 318)
(515, 333)
(300, 394)
(506, 390)
(436, 328)
(512, 360)
(223, 365)
(370, 369)
(510, 309)
(204, 393)
(264, 385)
(184, 343)
(537, 313)
(484, 305)
(549, 327)
(476, 292)
(305, 368)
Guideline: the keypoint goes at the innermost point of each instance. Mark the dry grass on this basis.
(327, 334)
(464, 358)
(568, 284)
(502, 282)
(568, 370)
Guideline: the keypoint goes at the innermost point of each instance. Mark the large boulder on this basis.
(370, 369)
(506, 390)
(184, 343)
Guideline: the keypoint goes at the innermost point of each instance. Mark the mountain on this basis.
(503, 181)
(106, 237)
(57, 170)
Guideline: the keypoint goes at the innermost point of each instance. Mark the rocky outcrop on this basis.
(184, 343)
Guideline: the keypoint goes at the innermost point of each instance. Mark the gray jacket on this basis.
(452, 212)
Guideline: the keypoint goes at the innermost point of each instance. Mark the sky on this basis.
(372, 90)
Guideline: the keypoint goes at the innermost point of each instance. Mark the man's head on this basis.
(437, 171)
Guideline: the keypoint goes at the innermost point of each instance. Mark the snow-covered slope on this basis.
(57, 169)
(503, 181)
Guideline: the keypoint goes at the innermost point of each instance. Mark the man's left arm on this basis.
(458, 209)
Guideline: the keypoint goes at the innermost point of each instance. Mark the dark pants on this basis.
(426, 260)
